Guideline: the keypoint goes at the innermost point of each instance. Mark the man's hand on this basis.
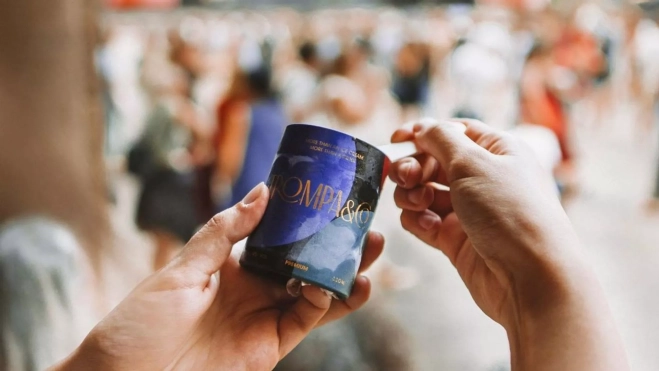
(188, 316)
(503, 228)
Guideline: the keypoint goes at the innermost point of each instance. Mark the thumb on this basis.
(211, 246)
(296, 322)
(446, 141)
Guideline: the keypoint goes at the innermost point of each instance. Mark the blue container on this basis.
(324, 189)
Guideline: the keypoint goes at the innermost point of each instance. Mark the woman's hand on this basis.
(503, 228)
(188, 316)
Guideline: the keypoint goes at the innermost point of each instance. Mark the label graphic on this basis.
(324, 188)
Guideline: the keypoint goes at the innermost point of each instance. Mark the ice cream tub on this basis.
(324, 189)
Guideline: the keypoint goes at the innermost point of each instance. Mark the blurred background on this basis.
(126, 124)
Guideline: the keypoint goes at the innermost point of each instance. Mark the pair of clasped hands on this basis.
(501, 226)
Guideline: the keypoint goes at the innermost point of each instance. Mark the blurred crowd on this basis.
(196, 104)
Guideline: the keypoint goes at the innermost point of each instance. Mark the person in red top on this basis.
(540, 103)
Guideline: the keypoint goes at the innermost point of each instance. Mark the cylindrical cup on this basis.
(324, 189)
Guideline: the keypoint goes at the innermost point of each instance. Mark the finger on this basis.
(372, 250)
(441, 204)
(423, 224)
(446, 235)
(417, 199)
(406, 172)
(297, 321)
(410, 172)
(409, 129)
(447, 142)
(361, 291)
(475, 128)
(495, 141)
(405, 133)
(210, 247)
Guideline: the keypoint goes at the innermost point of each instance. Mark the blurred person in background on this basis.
(411, 78)
(354, 97)
(540, 103)
(164, 159)
(592, 19)
(481, 74)
(204, 90)
(653, 203)
(299, 83)
(646, 55)
(194, 60)
(251, 122)
(45, 294)
(348, 90)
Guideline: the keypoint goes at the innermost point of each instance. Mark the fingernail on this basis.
(428, 221)
(404, 172)
(416, 196)
(362, 280)
(253, 195)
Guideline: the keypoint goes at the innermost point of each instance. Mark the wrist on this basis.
(572, 331)
(87, 356)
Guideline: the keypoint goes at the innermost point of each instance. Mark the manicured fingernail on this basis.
(253, 195)
(428, 221)
(404, 172)
(416, 196)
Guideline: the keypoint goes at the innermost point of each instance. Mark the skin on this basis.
(503, 228)
(204, 312)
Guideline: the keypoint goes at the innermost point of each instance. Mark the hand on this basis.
(189, 317)
(503, 228)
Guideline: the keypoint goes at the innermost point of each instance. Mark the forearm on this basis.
(576, 334)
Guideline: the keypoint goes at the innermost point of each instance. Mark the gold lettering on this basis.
(326, 200)
(292, 198)
(296, 265)
(275, 185)
(363, 213)
(339, 281)
(347, 211)
(337, 201)
(295, 190)
(307, 192)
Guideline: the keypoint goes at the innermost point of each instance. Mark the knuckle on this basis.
(218, 221)
(241, 207)
(435, 132)
(461, 166)
(399, 194)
